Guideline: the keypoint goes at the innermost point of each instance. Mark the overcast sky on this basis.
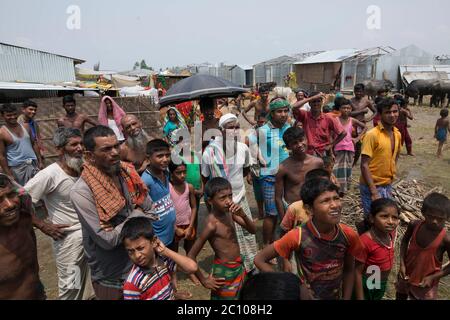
(179, 32)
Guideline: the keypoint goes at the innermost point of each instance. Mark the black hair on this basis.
(173, 166)
(29, 103)
(400, 100)
(378, 205)
(382, 90)
(298, 90)
(443, 113)
(261, 115)
(385, 103)
(68, 99)
(95, 132)
(156, 145)
(340, 101)
(5, 181)
(313, 188)
(206, 103)
(293, 134)
(271, 286)
(438, 203)
(359, 87)
(317, 173)
(8, 108)
(263, 89)
(137, 227)
(216, 185)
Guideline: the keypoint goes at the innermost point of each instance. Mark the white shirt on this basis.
(53, 185)
(235, 165)
(113, 125)
(306, 107)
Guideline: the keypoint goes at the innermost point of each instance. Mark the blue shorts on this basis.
(366, 196)
(257, 188)
(268, 191)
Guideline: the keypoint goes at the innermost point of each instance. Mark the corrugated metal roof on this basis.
(339, 55)
(76, 60)
(39, 87)
(330, 56)
(26, 65)
(410, 73)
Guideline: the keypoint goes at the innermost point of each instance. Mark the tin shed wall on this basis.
(27, 65)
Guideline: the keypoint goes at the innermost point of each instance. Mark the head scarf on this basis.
(227, 118)
(171, 134)
(118, 113)
(275, 105)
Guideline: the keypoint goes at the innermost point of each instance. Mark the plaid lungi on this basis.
(342, 169)
(246, 240)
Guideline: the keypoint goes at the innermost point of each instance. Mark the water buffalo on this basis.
(418, 89)
(373, 86)
(439, 90)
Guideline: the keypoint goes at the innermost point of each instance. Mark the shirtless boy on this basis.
(72, 119)
(228, 272)
(261, 107)
(360, 106)
(291, 173)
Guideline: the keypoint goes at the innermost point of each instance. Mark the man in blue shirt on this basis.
(273, 151)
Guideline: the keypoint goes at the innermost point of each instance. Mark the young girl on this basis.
(378, 250)
(345, 150)
(440, 130)
(183, 197)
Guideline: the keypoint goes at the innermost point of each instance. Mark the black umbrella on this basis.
(200, 86)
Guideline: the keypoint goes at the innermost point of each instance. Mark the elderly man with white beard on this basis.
(133, 149)
(53, 185)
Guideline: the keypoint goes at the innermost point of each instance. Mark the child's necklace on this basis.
(377, 239)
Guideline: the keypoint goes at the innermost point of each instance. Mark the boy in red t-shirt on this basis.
(325, 249)
(422, 251)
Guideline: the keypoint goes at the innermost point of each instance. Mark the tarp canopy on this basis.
(120, 81)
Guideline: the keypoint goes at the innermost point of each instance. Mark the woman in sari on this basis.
(173, 122)
(110, 114)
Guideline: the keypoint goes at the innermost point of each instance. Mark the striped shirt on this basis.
(144, 284)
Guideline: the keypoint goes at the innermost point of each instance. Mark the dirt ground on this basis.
(424, 166)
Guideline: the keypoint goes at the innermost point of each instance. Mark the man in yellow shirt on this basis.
(380, 150)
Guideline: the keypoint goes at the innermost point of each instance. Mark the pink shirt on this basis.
(318, 131)
(182, 205)
(346, 144)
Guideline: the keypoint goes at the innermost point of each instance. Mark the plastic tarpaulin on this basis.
(121, 81)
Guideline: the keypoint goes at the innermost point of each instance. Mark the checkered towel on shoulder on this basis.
(108, 199)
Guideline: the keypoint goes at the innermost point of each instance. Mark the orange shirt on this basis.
(376, 144)
(295, 216)
(290, 242)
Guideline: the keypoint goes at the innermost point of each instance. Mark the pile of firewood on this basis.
(409, 195)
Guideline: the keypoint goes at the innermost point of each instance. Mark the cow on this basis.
(417, 89)
(439, 90)
(372, 87)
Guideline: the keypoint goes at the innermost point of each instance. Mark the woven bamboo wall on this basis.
(51, 109)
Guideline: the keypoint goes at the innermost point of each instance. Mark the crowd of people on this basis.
(119, 202)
